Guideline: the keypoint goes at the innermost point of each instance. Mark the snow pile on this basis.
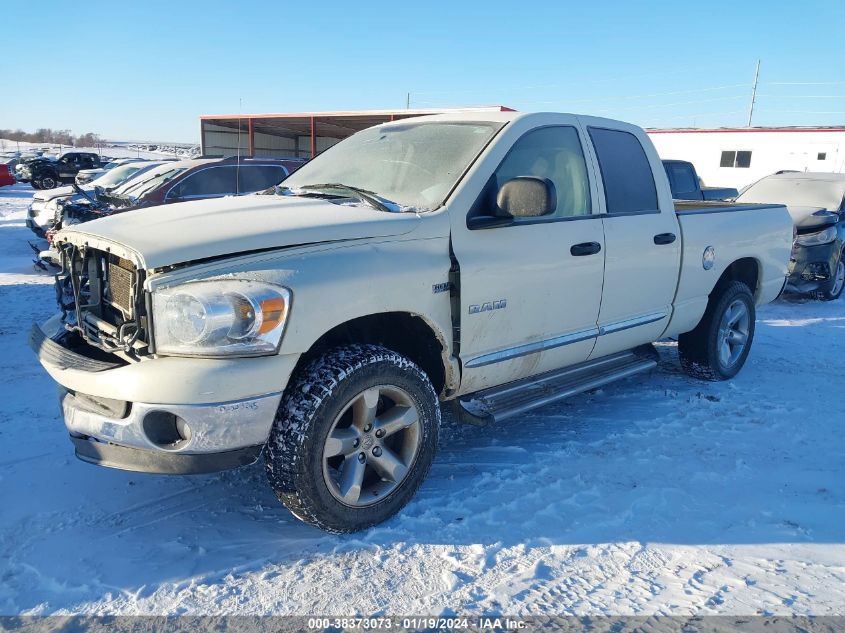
(658, 495)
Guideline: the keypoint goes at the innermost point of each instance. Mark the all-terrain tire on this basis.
(699, 349)
(46, 179)
(316, 397)
(837, 286)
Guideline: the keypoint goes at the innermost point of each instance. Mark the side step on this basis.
(499, 403)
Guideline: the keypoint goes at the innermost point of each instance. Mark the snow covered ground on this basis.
(659, 495)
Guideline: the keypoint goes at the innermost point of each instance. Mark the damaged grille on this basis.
(101, 297)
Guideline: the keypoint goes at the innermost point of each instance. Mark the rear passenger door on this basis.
(642, 240)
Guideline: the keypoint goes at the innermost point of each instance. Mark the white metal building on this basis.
(736, 157)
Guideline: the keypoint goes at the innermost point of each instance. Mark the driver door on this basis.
(530, 291)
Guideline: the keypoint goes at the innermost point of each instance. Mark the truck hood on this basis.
(187, 231)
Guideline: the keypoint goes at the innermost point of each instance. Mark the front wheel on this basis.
(835, 290)
(353, 439)
(718, 347)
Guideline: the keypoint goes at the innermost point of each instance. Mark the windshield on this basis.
(138, 187)
(415, 164)
(117, 175)
(800, 192)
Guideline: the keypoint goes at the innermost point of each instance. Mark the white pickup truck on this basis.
(498, 261)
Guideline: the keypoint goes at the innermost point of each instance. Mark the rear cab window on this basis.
(682, 178)
(627, 177)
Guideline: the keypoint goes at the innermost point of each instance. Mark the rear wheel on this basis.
(353, 439)
(835, 290)
(718, 347)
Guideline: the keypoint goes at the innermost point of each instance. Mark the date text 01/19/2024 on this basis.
(418, 623)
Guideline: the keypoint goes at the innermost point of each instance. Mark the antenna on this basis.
(753, 93)
(238, 166)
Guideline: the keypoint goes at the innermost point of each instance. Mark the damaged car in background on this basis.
(41, 215)
(816, 202)
(181, 181)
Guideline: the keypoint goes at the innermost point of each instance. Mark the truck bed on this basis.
(695, 207)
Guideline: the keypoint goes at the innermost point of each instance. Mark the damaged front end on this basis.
(102, 300)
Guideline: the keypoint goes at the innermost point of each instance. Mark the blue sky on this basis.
(146, 70)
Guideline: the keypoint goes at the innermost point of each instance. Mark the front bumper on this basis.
(811, 267)
(32, 226)
(209, 438)
(164, 415)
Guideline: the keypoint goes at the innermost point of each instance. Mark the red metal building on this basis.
(301, 134)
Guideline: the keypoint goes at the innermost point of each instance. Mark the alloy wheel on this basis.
(733, 333)
(371, 446)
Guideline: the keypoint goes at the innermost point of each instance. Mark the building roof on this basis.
(355, 113)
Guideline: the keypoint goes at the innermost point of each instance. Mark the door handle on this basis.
(585, 248)
(664, 238)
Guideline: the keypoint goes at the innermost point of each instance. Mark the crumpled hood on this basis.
(802, 215)
(176, 233)
(808, 219)
(49, 194)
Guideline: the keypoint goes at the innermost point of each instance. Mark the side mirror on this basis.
(526, 196)
(521, 197)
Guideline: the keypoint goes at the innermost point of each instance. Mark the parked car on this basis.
(22, 168)
(501, 261)
(46, 173)
(87, 175)
(686, 185)
(180, 181)
(45, 204)
(816, 202)
(6, 176)
(11, 161)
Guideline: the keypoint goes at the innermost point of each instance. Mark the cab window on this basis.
(625, 171)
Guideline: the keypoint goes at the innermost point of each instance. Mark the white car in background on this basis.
(45, 202)
(86, 176)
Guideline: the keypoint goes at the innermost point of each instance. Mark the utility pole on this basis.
(408, 101)
(753, 93)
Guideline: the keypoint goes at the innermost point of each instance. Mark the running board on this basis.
(499, 403)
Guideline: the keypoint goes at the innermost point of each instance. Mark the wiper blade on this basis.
(370, 197)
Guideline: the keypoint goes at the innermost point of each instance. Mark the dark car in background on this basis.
(182, 181)
(46, 173)
(816, 202)
(686, 185)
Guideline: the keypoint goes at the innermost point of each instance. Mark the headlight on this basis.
(220, 318)
(818, 238)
